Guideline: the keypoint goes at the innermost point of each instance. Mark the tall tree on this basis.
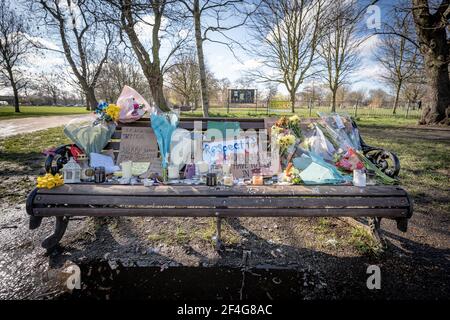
(339, 47)
(286, 36)
(217, 17)
(431, 20)
(121, 69)
(13, 50)
(184, 78)
(86, 41)
(134, 16)
(398, 56)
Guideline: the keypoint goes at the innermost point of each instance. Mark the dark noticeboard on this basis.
(242, 95)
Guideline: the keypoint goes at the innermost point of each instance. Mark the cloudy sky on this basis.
(221, 61)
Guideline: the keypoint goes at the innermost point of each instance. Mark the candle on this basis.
(203, 167)
(228, 180)
(226, 167)
(127, 169)
(173, 172)
(258, 180)
(359, 178)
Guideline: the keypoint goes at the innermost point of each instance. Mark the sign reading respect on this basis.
(218, 151)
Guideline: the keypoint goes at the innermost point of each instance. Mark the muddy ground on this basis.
(298, 258)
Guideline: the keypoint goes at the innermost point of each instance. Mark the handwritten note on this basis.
(138, 145)
(244, 170)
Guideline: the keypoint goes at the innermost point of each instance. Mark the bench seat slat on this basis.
(193, 191)
(235, 202)
(202, 212)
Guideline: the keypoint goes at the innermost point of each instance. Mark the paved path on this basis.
(25, 125)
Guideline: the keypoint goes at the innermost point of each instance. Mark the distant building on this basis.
(5, 100)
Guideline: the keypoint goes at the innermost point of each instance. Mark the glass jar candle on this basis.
(257, 177)
(211, 179)
(173, 172)
(127, 169)
(359, 178)
(226, 168)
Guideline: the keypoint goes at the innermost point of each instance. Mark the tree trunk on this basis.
(91, 100)
(16, 97)
(293, 101)
(158, 95)
(432, 36)
(437, 112)
(333, 102)
(397, 95)
(201, 59)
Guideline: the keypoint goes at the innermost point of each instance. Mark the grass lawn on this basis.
(7, 112)
(362, 120)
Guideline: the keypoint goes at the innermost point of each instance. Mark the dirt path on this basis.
(16, 126)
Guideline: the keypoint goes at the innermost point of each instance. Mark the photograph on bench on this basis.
(225, 157)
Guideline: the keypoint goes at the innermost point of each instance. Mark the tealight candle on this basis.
(228, 180)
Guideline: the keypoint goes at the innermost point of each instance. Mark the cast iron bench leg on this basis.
(218, 239)
(60, 228)
(375, 224)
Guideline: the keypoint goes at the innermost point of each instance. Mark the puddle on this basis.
(99, 281)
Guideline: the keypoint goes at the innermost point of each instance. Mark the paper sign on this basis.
(138, 144)
(245, 170)
(218, 151)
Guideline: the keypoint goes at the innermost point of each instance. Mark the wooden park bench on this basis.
(106, 200)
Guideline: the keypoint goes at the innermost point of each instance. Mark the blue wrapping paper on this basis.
(163, 126)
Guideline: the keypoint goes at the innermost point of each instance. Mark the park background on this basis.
(385, 85)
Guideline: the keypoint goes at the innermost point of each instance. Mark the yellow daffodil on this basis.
(50, 181)
(295, 119)
(113, 111)
(286, 141)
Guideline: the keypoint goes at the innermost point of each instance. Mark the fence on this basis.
(404, 109)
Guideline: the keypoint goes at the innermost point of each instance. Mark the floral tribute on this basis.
(108, 112)
(50, 181)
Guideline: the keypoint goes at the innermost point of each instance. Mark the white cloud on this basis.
(369, 46)
(249, 64)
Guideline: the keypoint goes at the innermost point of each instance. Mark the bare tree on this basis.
(378, 98)
(214, 17)
(13, 50)
(85, 40)
(120, 70)
(286, 37)
(130, 16)
(339, 47)
(399, 57)
(184, 78)
(50, 86)
(432, 24)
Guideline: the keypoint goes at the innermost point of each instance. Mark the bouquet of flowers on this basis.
(50, 181)
(108, 112)
(287, 132)
(349, 161)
